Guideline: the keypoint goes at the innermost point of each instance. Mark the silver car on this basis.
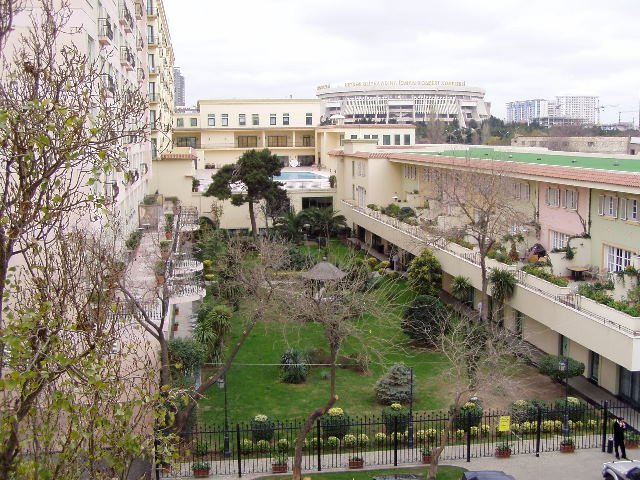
(621, 470)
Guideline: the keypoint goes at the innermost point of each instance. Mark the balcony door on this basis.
(594, 366)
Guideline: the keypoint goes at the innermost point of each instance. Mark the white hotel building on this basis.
(403, 101)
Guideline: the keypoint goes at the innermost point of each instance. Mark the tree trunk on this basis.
(165, 371)
(484, 298)
(314, 415)
(252, 216)
(435, 458)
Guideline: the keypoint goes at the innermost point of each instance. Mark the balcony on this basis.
(127, 58)
(151, 9)
(182, 264)
(108, 83)
(189, 219)
(126, 20)
(597, 327)
(139, 42)
(105, 31)
(139, 10)
(152, 40)
(182, 290)
(153, 70)
(141, 74)
(154, 97)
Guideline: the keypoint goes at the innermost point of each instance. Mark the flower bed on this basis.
(543, 274)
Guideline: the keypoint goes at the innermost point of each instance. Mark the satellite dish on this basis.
(293, 162)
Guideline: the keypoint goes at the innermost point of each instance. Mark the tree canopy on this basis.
(248, 181)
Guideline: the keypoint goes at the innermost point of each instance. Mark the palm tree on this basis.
(503, 285)
(290, 225)
(324, 221)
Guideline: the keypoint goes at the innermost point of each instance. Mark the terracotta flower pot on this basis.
(567, 448)
(160, 280)
(502, 453)
(168, 235)
(279, 468)
(175, 327)
(353, 464)
(201, 473)
(426, 459)
(631, 443)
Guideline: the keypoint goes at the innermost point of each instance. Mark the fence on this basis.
(242, 449)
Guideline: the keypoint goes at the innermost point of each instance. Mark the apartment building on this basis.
(587, 202)
(179, 87)
(161, 87)
(563, 110)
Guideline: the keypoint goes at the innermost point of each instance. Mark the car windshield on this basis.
(634, 474)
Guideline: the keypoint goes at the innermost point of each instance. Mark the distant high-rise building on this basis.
(564, 110)
(179, 85)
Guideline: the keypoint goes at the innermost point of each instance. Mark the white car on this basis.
(621, 470)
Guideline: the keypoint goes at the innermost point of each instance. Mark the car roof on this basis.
(487, 475)
(623, 466)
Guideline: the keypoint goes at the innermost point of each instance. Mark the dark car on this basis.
(486, 475)
(621, 470)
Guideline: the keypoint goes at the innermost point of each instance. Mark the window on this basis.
(518, 323)
(616, 258)
(152, 119)
(277, 141)
(306, 141)
(521, 190)
(151, 62)
(179, 122)
(309, 119)
(193, 122)
(242, 119)
(285, 119)
(558, 240)
(410, 172)
(570, 199)
(342, 140)
(186, 142)
(608, 206)
(396, 139)
(374, 137)
(553, 197)
(255, 119)
(272, 119)
(247, 141)
(353, 168)
(564, 346)
(154, 149)
(225, 120)
(386, 139)
(367, 137)
(354, 137)
(407, 139)
(211, 120)
(629, 209)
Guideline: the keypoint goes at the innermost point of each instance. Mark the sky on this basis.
(513, 49)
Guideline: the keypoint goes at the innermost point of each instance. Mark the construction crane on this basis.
(625, 111)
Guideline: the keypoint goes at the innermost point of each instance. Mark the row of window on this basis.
(386, 139)
(622, 208)
(242, 120)
(521, 191)
(410, 172)
(565, 198)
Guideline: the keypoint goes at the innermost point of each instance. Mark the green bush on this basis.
(470, 415)
(201, 448)
(550, 365)
(425, 273)
(575, 408)
(380, 438)
(362, 440)
(246, 446)
(395, 418)
(282, 445)
(349, 440)
(393, 210)
(394, 386)
(423, 319)
(335, 423)
(526, 410)
(263, 446)
(294, 367)
(543, 274)
(406, 212)
(262, 428)
(333, 442)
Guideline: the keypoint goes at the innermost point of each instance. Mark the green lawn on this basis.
(444, 473)
(257, 389)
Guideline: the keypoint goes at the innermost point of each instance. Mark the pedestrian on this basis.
(618, 436)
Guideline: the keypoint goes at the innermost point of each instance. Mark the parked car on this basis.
(621, 470)
(486, 475)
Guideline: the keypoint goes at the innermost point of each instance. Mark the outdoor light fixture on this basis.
(563, 366)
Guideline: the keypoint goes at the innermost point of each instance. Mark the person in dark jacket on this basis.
(618, 436)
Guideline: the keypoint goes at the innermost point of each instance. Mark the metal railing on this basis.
(242, 449)
(105, 29)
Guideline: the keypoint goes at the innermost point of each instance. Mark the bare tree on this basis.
(8, 10)
(480, 356)
(484, 209)
(435, 131)
(78, 376)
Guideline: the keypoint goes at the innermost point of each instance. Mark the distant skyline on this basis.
(513, 49)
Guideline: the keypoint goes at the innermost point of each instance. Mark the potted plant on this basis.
(175, 326)
(427, 455)
(632, 440)
(201, 469)
(356, 462)
(279, 463)
(503, 450)
(333, 180)
(159, 271)
(165, 246)
(195, 183)
(567, 446)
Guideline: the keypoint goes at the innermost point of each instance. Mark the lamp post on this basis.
(410, 432)
(563, 365)
(222, 383)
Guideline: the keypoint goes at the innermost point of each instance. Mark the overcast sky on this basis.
(514, 49)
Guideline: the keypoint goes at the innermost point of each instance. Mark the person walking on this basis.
(618, 436)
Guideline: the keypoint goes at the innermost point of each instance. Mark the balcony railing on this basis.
(105, 31)
(139, 9)
(109, 83)
(127, 58)
(602, 314)
(153, 97)
(126, 20)
(151, 9)
(151, 39)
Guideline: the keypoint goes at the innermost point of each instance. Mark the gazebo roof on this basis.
(324, 271)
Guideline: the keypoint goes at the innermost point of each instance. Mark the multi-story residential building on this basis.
(403, 101)
(585, 202)
(619, 145)
(564, 110)
(180, 87)
(161, 81)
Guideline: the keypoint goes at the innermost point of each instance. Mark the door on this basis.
(594, 366)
